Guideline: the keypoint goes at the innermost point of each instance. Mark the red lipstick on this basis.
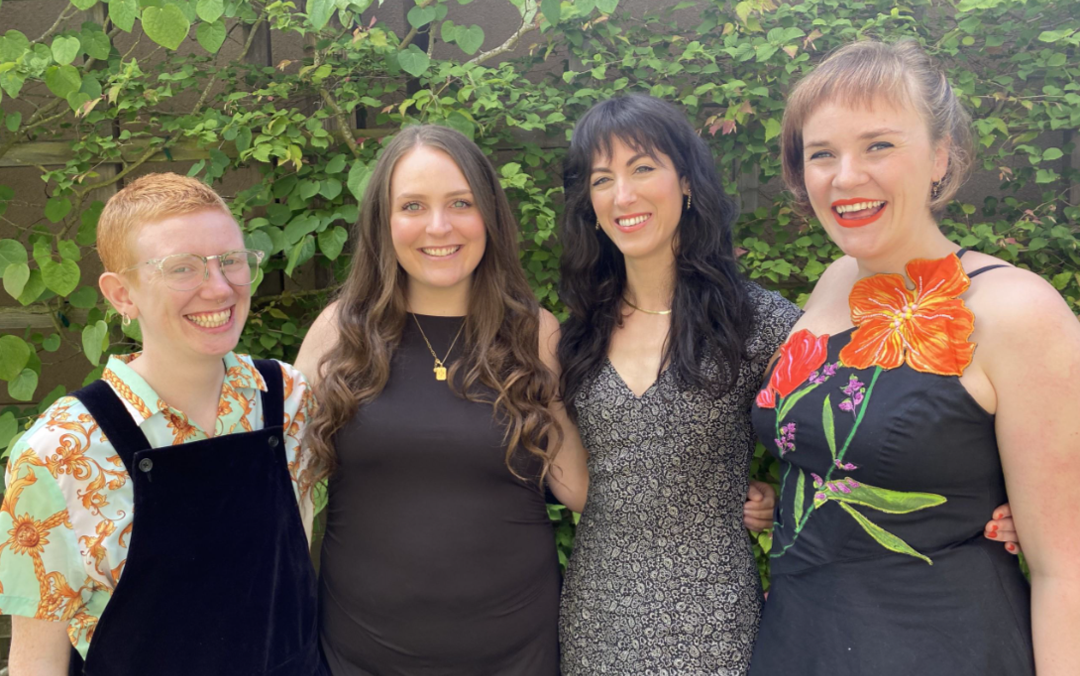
(856, 222)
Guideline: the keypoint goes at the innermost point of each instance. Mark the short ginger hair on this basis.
(147, 199)
(901, 74)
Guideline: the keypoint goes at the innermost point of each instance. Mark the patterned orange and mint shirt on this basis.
(67, 513)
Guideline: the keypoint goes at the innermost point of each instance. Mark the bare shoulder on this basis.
(320, 339)
(836, 281)
(549, 339)
(1016, 307)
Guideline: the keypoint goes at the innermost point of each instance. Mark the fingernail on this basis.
(997, 515)
(993, 528)
(1011, 547)
(991, 534)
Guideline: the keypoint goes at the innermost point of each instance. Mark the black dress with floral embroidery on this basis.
(890, 470)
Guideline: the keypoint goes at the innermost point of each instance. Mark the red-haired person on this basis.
(158, 519)
(922, 383)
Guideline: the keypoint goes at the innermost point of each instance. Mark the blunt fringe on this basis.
(711, 310)
(860, 73)
(501, 362)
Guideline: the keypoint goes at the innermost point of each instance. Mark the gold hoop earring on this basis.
(126, 321)
(689, 197)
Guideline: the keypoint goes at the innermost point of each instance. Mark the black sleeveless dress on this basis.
(889, 470)
(437, 561)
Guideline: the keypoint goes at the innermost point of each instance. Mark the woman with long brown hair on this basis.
(436, 381)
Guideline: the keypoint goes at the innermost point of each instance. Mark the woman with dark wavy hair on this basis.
(662, 355)
(434, 372)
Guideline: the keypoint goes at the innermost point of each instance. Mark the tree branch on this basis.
(342, 121)
(243, 53)
(529, 10)
(64, 16)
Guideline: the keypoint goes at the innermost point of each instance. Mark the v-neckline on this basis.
(622, 381)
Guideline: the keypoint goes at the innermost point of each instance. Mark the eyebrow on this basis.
(873, 133)
(416, 195)
(630, 161)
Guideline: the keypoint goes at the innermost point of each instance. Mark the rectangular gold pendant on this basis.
(440, 372)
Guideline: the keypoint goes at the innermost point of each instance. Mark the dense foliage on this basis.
(287, 133)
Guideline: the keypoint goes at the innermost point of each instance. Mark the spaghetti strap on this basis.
(987, 268)
(961, 252)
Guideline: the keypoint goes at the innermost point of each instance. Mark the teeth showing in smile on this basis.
(627, 222)
(441, 251)
(211, 320)
(847, 208)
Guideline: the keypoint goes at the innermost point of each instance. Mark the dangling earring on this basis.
(598, 224)
(689, 196)
(126, 321)
(935, 189)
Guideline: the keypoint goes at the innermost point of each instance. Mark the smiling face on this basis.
(638, 199)
(204, 323)
(436, 227)
(868, 172)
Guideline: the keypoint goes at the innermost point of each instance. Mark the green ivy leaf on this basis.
(336, 165)
(93, 341)
(413, 61)
(210, 10)
(83, 4)
(85, 298)
(62, 80)
(65, 49)
(12, 121)
(23, 386)
(359, 175)
(52, 343)
(211, 36)
(57, 208)
(13, 45)
(69, 249)
(419, 17)
(1046, 176)
(470, 39)
(1052, 154)
(12, 252)
(319, 12)
(14, 355)
(448, 31)
(299, 227)
(96, 43)
(33, 289)
(772, 129)
(332, 241)
(8, 428)
(551, 9)
(259, 241)
(123, 13)
(330, 188)
(61, 278)
(166, 25)
(300, 254)
(16, 275)
(607, 6)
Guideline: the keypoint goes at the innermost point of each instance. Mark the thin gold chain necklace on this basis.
(648, 312)
(440, 369)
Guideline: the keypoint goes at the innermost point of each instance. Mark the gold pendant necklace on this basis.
(440, 369)
(648, 312)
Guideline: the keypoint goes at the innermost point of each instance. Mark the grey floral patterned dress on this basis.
(662, 580)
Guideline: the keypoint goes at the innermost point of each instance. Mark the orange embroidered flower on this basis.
(928, 326)
(801, 355)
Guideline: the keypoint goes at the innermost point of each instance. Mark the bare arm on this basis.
(1033, 361)
(569, 477)
(38, 647)
(320, 339)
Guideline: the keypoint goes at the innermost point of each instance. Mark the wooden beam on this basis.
(35, 317)
(49, 153)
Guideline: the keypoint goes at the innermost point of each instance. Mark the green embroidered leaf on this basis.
(800, 497)
(829, 426)
(785, 406)
(881, 499)
(884, 537)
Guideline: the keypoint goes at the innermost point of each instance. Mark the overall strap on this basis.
(273, 399)
(114, 420)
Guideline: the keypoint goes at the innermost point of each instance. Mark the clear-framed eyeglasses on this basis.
(186, 271)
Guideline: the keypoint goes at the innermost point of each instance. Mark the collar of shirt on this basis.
(236, 405)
